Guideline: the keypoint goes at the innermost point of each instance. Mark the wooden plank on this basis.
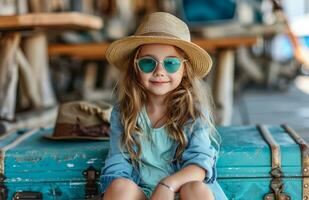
(225, 43)
(87, 51)
(63, 20)
(93, 51)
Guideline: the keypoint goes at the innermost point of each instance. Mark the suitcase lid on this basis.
(245, 153)
(34, 158)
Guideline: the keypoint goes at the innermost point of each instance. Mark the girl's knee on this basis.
(192, 186)
(120, 183)
(122, 188)
(196, 188)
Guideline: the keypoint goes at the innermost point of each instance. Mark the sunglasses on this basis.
(148, 64)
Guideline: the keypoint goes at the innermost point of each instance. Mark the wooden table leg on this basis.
(29, 88)
(223, 87)
(35, 47)
(8, 75)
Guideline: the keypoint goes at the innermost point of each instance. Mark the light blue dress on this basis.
(199, 151)
(157, 154)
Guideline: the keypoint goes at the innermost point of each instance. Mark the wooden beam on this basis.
(96, 51)
(63, 20)
(87, 51)
(225, 43)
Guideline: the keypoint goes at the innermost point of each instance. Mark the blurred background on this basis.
(52, 51)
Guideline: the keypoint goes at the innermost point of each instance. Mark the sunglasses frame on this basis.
(157, 63)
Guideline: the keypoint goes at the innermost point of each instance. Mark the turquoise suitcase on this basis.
(256, 162)
(263, 162)
(34, 167)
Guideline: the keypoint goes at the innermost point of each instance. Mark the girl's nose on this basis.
(159, 70)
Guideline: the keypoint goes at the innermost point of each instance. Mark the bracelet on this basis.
(167, 186)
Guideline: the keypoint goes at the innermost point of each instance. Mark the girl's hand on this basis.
(162, 193)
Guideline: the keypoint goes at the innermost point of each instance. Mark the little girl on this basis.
(162, 139)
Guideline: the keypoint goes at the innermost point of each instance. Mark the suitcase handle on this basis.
(24, 195)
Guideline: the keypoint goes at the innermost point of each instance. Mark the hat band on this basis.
(78, 130)
(159, 34)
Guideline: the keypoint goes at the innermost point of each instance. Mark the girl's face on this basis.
(160, 82)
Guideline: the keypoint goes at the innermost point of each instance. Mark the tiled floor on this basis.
(275, 107)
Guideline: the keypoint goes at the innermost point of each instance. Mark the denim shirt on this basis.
(198, 151)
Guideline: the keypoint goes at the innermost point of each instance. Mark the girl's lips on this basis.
(158, 82)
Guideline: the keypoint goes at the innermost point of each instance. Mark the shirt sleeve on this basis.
(200, 152)
(117, 163)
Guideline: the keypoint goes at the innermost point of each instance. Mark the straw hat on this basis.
(81, 120)
(162, 28)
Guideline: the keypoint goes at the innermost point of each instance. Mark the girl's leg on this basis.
(196, 190)
(123, 189)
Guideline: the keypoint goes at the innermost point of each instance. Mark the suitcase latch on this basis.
(91, 187)
(277, 187)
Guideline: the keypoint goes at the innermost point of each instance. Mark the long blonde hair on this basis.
(132, 96)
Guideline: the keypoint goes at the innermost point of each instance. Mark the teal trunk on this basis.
(35, 167)
(246, 161)
(52, 169)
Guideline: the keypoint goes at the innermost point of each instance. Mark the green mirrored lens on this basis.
(146, 65)
(171, 65)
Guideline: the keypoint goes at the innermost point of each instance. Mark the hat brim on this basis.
(119, 52)
(77, 138)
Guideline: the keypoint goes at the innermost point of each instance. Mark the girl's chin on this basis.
(159, 92)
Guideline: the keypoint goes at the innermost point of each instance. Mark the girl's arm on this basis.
(198, 159)
(117, 163)
(175, 181)
(186, 174)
